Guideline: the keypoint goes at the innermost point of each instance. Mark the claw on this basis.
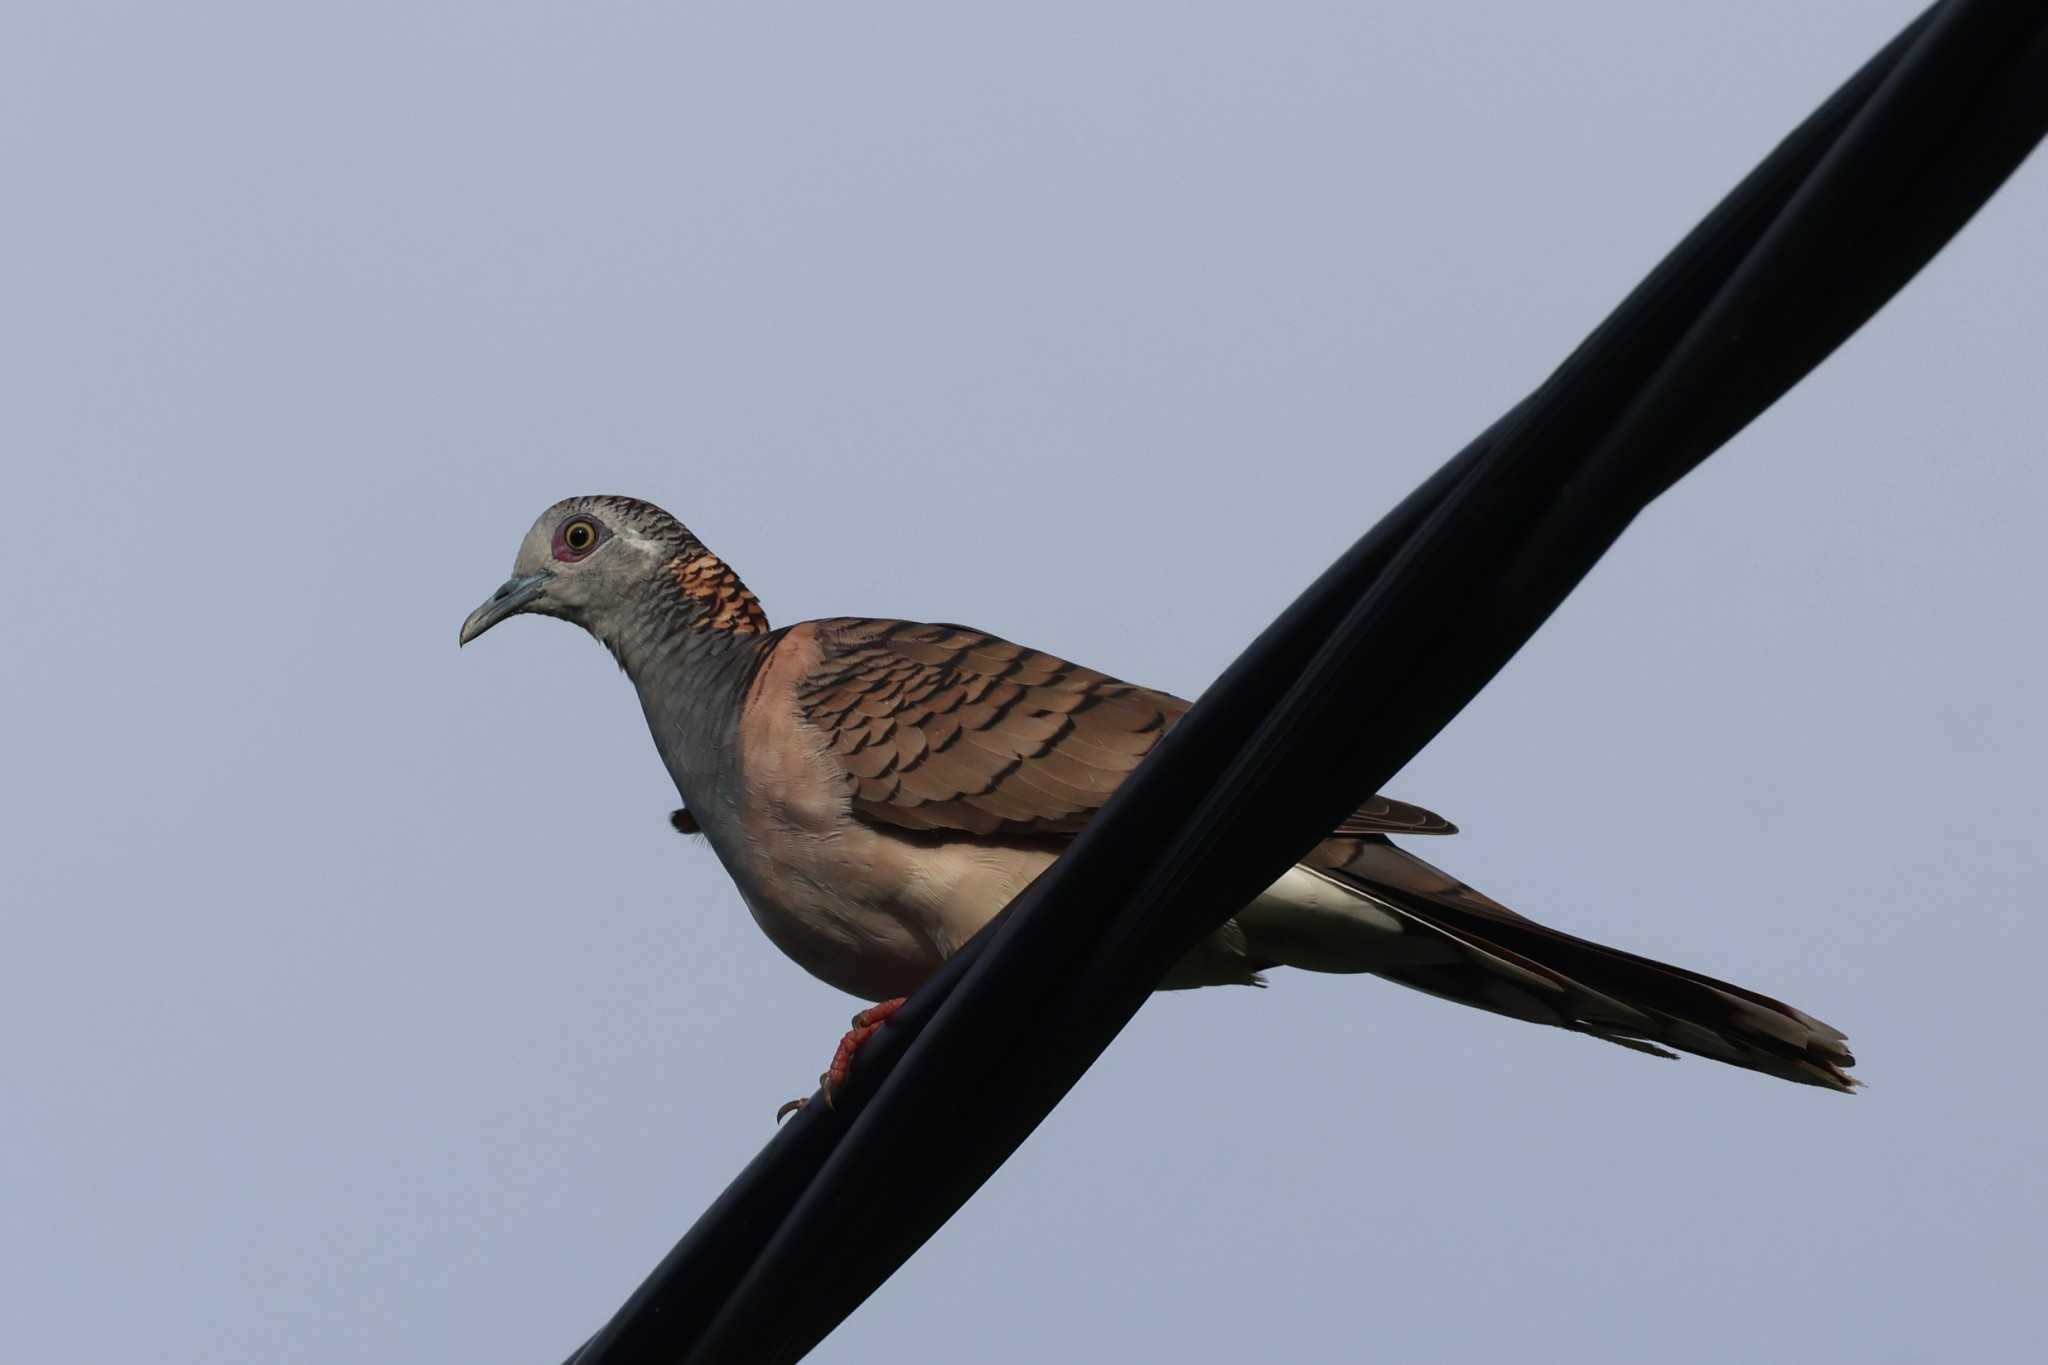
(803, 1101)
(865, 1025)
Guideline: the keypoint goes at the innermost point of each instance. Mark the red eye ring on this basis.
(577, 537)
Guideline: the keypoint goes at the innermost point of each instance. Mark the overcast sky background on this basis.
(356, 1001)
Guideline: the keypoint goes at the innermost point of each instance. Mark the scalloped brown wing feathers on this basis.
(940, 727)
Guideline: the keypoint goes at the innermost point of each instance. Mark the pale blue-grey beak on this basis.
(515, 595)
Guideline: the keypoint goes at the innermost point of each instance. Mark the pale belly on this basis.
(874, 913)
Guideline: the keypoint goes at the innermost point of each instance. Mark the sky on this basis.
(356, 1000)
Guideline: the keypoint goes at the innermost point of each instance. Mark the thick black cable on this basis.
(1451, 583)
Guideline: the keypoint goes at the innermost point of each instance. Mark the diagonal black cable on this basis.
(1310, 718)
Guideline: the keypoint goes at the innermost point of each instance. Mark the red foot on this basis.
(865, 1025)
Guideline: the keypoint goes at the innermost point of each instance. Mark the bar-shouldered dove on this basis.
(879, 789)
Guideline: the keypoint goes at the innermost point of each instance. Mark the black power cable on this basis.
(1306, 722)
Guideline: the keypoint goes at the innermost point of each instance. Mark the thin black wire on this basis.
(1309, 720)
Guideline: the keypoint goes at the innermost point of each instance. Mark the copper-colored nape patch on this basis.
(727, 603)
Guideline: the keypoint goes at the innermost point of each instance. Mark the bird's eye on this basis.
(577, 537)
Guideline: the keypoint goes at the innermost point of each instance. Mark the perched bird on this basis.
(879, 790)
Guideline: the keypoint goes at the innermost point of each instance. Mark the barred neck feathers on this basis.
(720, 600)
(694, 608)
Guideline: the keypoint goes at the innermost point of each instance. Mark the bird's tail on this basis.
(1453, 942)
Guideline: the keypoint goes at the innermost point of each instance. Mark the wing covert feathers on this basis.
(940, 727)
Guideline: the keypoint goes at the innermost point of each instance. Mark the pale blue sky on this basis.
(356, 1001)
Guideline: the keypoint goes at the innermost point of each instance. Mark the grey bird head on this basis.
(599, 562)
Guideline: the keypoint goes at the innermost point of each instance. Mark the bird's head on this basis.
(616, 565)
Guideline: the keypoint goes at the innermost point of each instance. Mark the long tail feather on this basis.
(1503, 962)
